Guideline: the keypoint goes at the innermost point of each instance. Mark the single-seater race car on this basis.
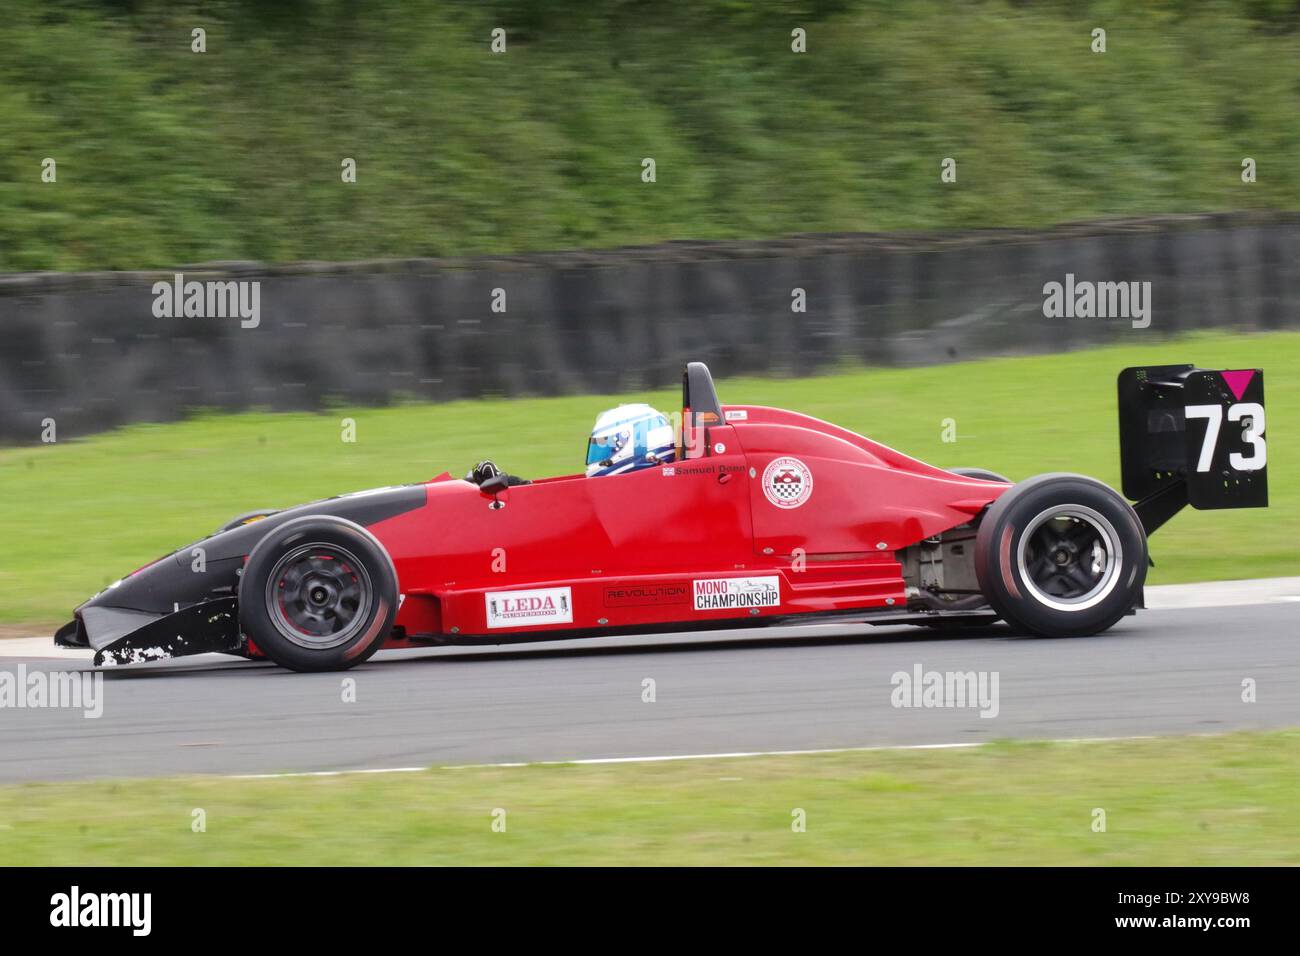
(740, 516)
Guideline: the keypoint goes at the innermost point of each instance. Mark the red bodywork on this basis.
(635, 550)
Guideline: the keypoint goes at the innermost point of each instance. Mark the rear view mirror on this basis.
(495, 485)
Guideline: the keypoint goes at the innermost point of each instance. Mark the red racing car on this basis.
(739, 516)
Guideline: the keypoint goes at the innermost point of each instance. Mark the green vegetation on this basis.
(1189, 801)
(80, 514)
(166, 156)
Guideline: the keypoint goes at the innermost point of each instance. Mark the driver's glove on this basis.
(483, 471)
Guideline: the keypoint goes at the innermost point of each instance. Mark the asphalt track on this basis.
(1178, 670)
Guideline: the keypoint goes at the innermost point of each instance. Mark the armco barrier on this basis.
(87, 350)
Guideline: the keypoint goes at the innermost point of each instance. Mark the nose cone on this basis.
(209, 568)
(178, 580)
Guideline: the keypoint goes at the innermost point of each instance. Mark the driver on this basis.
(624, 439)
(627, 438)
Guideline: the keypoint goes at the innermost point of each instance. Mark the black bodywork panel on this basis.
(212, 626)
(186, 602)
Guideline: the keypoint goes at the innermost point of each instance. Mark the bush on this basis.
(167, 157)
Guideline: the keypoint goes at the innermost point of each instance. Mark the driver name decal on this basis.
(787, 482)
(717, 594)
(520, 608)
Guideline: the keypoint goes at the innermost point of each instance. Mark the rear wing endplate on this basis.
(1192, 434)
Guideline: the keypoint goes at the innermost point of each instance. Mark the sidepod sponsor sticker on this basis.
(644, 595)
(715, 594)
(787, 482)
(521, 608)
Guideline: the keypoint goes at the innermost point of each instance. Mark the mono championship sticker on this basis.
(718, 594)
(787, 482)
(521, 608)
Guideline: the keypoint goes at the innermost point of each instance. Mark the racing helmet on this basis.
(627, 438)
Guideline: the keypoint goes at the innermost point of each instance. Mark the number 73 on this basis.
(1251, 414)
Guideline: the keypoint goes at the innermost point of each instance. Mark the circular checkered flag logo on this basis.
(787, 482)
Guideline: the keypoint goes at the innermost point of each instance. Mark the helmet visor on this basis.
(604, 447)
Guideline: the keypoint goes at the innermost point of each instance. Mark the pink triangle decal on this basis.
(1237, 381)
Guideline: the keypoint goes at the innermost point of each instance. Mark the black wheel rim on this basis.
(1070, 557)
(319, 596)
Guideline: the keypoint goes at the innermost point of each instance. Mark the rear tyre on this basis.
(318, 593)
(1061, 555)
(980, 473)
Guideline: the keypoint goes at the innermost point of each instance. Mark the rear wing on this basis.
(1192, 436)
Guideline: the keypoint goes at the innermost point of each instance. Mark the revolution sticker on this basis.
(521, 608)
(787, 482)
(717, 594)
(642, 595)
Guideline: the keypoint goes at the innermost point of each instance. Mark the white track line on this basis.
(663, 758)
(321, 773)
(1167, 597)
(42, 648)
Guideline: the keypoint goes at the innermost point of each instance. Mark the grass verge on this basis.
(1175, 801)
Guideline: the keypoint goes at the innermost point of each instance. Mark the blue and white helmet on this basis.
(627, 438)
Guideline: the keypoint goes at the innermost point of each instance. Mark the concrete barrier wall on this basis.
(87, 350)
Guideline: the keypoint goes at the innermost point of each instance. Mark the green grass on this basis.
(166, 156)
(1226, 800)
(78, 515)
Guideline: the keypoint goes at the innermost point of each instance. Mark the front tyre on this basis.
(318, 593)
(1061, 555)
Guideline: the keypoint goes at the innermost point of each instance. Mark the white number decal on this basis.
(1252, 431)
(1251, 414)
(1215, 414)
